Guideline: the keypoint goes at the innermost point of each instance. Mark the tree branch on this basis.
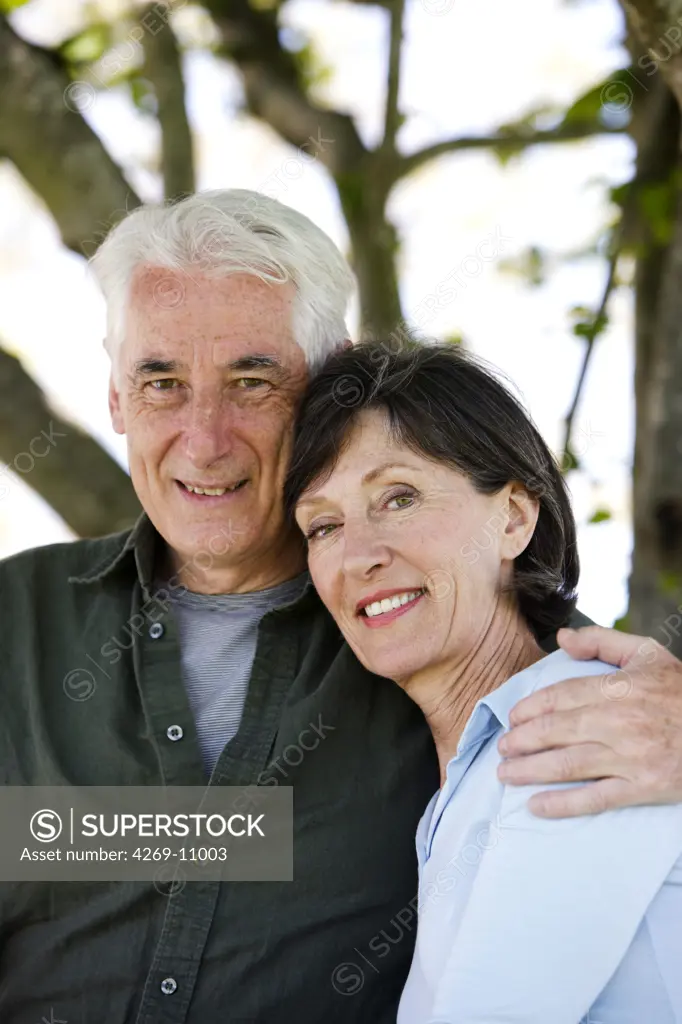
(657, 25)
(65, 466)
(275, 90)
(598, 322)
(70, 169)
(517, 140)
(589, 348)
(392, 118)
(163, 68)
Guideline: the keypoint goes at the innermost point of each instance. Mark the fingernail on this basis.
(503, 771)
(503, 745)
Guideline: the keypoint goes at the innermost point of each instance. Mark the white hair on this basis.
(231, 231)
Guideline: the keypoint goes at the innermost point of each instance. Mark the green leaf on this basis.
(669, 583)
(7, 6)
(143, 94)
(310, 68)
(657, 203)
(589, 325)
(609, 102)
(88, 46)
(531, 265)
(600, 515)
(569, 461)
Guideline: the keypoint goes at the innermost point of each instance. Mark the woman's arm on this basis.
(553, 909)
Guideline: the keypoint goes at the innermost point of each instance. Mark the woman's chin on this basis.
(391, 664)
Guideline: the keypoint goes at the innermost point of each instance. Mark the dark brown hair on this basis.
(442, 403)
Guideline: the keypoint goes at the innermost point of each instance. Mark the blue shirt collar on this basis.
(493, 710)
(489, 714)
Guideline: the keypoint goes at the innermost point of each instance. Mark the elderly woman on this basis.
(442, 541)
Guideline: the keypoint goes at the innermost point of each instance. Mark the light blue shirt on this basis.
(524, 920)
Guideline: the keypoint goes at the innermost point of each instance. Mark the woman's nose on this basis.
(365, 550)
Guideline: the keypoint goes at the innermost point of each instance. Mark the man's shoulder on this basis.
(576, 621)
(66, 560)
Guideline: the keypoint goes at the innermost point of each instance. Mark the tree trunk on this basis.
(656, 578)
(374, 246)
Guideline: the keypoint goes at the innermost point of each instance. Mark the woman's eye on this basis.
(401, 500)
(318, 532)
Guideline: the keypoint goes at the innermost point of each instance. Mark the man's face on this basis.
(209, 382)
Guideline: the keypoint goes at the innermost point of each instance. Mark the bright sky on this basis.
(468, 66)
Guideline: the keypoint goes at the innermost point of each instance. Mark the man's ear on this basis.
(346, 343)
(115, 406)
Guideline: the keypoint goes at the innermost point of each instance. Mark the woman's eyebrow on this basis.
(371, 475)
(378, 470)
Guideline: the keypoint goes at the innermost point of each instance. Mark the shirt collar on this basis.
(138, 547)
(498, 704)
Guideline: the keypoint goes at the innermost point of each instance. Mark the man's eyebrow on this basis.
(252, 362)
(255, 362)
(144, 366)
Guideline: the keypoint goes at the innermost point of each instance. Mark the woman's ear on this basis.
(522, 510)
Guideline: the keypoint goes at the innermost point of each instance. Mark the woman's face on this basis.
(406, 554)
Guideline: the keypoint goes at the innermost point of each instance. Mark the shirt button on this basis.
(156, 630)
(175, 732)
(168, 986)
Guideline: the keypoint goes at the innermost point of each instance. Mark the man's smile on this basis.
(209, 493)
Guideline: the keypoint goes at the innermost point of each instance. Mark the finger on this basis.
(577, 763)
(612, 646)
(560, 729)
(570, 694)
(594, 798)
(563, 696)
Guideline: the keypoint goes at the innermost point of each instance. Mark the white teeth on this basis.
(209, 490)
(389, 603)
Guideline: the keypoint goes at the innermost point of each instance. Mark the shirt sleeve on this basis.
(553, 909)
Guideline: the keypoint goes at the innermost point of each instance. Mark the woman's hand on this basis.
(623, 729)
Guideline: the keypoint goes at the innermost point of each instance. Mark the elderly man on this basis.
(208, 658)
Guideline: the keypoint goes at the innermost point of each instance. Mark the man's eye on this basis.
(251, 383)
(164, 384)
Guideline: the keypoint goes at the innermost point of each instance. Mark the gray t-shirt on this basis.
(218, 635)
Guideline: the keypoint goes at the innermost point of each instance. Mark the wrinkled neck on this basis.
(448, 692)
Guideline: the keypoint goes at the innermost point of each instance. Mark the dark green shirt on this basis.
(90, 690)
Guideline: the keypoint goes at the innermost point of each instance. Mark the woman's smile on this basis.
(383, 607)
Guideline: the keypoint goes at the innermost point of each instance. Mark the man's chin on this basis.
(207, 546)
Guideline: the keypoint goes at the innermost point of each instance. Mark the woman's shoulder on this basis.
(559, 665)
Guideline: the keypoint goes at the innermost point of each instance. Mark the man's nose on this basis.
(208, 430)
(365, 551)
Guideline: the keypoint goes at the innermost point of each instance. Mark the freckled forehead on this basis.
(230, 312)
